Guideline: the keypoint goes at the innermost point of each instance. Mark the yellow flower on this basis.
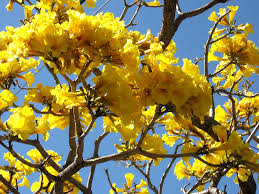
(128, 186)
(221, 132)
(60, 122)
(22, 121)
(9, 6)
(66, 98)
(21, 167)
(90, 3)
(236, 49)
(28, 77)
(221, 115)
(7, 98)
(28, 11)
(114, 87)
(248, 107)
(10, 158)
(25, 182)
(170, 140)
(35, 155)
(154, 3)
(128, 132)
(39, 94)
(227, 20)
(198, 168)
(181, 171)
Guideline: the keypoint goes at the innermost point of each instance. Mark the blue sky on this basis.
(189, 39)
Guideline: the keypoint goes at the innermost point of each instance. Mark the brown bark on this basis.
(248, 187)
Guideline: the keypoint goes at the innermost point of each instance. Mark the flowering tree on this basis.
(131, 84)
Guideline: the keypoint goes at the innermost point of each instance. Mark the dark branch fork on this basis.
(171, 23)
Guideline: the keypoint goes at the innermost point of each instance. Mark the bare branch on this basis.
(149, 126)
(198, 183)
(168, 28)
(146, 175)
(167, 169)
(8, 185)
(233, 103)
(178, 8)
(170, 24)
(131, 23)
(10, 149)
(126, 7)
(102, 6)
(248, 186)
(71, 140)
(235, 94)
(220, 70)
(109, 180)
(206, 47)
(81, 74)
(81, 136)
(95, 154)
(44, 153)
(51, 70)
(252, 134)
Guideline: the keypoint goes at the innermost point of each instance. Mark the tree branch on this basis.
(206, 47)
(109, 180)
(170, 24)
(8, 185)
(71, 140)
(95, 155)
(146, 175)
(248, 186)
(168, 28)
(44, 153)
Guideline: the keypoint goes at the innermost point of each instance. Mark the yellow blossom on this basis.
(25, 182)
(7, 98)
(181, 171)
(129, 188)
(22, 121)
(154, 3)
(90, 3)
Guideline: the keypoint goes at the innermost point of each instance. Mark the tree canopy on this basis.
(103, 78)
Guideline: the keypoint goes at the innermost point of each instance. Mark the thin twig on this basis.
(8, 185)
(109, 180)
(224, 36)
(233, 103)
(46, 112)
(72, 142)
(45, 154)
(149, 126)
(81, 74)
(167, 170)
(102, 6)
(95, 154)
(252, 134)
(51, 71)
(178, 8)
(207, 45)
(146, 175)
(32, 165)
(81, 136)
(220, 70)
(126, 7)
(133, 17)
(235, 94)
(198, 183)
